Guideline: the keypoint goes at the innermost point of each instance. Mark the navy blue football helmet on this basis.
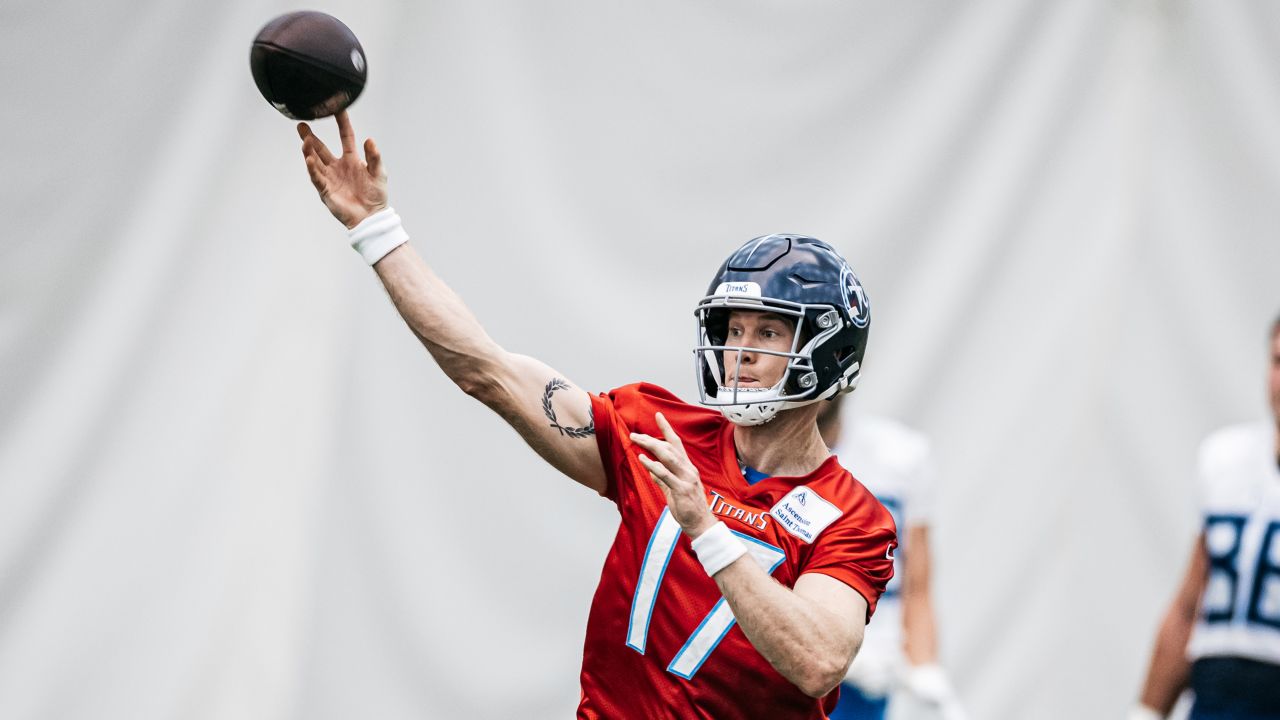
(794, 276)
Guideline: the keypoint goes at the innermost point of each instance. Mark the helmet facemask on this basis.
(815, 327)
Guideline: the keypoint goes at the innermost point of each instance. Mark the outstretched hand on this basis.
(350, 187)
(678, 479)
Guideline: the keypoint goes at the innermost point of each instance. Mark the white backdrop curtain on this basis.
(232, 485)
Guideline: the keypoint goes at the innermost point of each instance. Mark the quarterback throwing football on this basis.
(747, 561)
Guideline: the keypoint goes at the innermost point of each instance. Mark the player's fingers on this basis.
(653, 466)
(662, 488)
(657, 470)
(643, 440)
(669, 433)
(666, 493)
(660, 449)
(317, 177)
(322, 150)
(305, 134)
(314, 173)
(311, 145)
(373, 158)
(346, 132)
(662, 481)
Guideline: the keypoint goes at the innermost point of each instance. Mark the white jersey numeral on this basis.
(717, 623)
(652, 569)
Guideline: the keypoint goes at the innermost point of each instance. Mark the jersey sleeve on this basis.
(1217, 459)
(612, 429)
(858, 554)
(631, 408)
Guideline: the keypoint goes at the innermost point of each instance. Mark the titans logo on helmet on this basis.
(855, 298)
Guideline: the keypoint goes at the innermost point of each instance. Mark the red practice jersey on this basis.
(661, 641)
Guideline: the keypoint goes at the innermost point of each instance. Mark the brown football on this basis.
(308, 64)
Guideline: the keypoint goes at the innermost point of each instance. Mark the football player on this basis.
(1221, 634)
(899, 653)
(747, 561)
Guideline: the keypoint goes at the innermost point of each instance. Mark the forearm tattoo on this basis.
(574, 432)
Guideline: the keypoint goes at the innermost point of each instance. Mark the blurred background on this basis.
(233, 485)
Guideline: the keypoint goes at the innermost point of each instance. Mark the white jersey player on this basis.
(899, 650)
(1221, 635)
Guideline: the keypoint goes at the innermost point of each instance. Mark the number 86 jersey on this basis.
(1240, 610)
(661, 641)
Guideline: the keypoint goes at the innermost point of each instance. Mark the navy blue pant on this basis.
(854, 705)
(1232, 688)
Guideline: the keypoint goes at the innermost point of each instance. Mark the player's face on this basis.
(1275, 376)
(765, 330)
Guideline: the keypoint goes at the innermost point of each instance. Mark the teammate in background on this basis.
(900, 653)
(1221, 634)
(747, 561)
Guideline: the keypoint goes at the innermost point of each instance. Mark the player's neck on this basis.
(831, 430)
(788, 445)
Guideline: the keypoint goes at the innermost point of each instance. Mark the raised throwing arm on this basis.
(549, 412)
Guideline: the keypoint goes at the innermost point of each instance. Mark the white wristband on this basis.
(377, 235)
(929, 683)
(717, 548)
(1142, 712)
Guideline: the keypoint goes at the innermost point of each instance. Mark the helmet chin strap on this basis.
(759, 412)
(749, 413)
